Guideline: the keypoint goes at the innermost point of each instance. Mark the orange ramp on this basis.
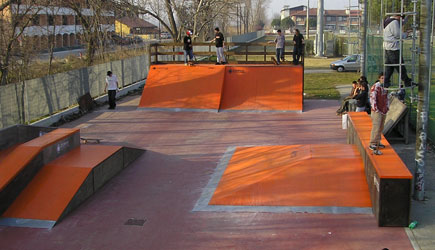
(263, 88)
(294, 176)
(63, 184)
(179, 86)
(236, 88)
(19, 163)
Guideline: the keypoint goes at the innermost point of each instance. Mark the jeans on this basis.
(393, 57)
(297, 52)
(220, 54)
(279, 54)
(188, 53)
(112, 98)
(378, 121)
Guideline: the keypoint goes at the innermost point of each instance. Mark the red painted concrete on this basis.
(164, 184)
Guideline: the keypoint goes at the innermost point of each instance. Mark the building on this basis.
(136, 26)
(56, 22)
(287, 11)
(337, 21)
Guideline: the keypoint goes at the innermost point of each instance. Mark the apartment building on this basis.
(55, 22)
(337, 21)
(288, 11)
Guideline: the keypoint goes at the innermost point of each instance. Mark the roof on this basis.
(313, 12)
(135, 22)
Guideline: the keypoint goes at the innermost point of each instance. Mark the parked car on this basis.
(121, 40)
(349, 63)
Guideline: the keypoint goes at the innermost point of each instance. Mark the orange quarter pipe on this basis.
(219, 88)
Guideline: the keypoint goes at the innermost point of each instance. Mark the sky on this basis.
(275, 6)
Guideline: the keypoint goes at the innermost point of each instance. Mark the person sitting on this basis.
(344, 107)
(362, 97)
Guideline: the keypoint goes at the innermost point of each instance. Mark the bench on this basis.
(388, 178)
(19, 163)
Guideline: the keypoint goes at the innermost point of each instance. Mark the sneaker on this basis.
(381, 145)
(373, 147)
(377, 152)
(217, 63)
(185, 64)
(411, 84)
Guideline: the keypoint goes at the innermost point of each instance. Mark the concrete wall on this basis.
(33, 99)
(248, 37)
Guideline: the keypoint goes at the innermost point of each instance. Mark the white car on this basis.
(349, 63)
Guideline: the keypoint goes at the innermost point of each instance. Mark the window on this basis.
(76, 20)
(50, 19)
(35, 20)
(64, 20)
(342, 18)
(352, 58)
(330, 18)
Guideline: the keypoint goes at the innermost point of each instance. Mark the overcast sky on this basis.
(276, 5)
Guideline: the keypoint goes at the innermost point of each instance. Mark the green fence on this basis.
(375, 58)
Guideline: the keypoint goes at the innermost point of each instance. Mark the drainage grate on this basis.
(135, 222)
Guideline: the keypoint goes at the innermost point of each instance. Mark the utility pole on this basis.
(364, 38)
(319, 35)
(424, 78)
(308, 20)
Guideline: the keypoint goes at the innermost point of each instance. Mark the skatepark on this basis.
(209, 157)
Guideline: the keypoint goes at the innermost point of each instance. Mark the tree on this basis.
(92, 31)
(13, 53)
(287, 23)
(276, 23)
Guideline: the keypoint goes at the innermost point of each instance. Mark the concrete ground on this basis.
(163, 186)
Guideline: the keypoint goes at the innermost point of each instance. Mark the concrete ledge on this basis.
(390, 195)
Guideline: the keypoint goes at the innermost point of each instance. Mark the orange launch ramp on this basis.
(264, 88)
(295, 178)
(183, 87)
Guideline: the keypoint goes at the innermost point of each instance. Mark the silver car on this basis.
(349, 63)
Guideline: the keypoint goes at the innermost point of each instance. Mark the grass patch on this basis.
(322, 85)
(319, 63)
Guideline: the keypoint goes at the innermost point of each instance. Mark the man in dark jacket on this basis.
(188, 48)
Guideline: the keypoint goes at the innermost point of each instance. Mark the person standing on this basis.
(111, 87)
(392, 34)
(298, 41)
(188, 48)
(280, 43)
(380, 106)
(220, 43)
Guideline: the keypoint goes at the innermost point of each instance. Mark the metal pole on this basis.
(424, 78)
(349, 45)
(364, 38)
(308, 21)
(319, 35)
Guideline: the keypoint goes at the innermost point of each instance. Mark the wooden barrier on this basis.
(388, 178)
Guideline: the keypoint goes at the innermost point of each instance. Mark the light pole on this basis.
(319, 35)
(308, 20)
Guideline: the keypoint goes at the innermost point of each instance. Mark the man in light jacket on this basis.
(392, 34)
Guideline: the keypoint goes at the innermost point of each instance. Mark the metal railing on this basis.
(237, 53)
